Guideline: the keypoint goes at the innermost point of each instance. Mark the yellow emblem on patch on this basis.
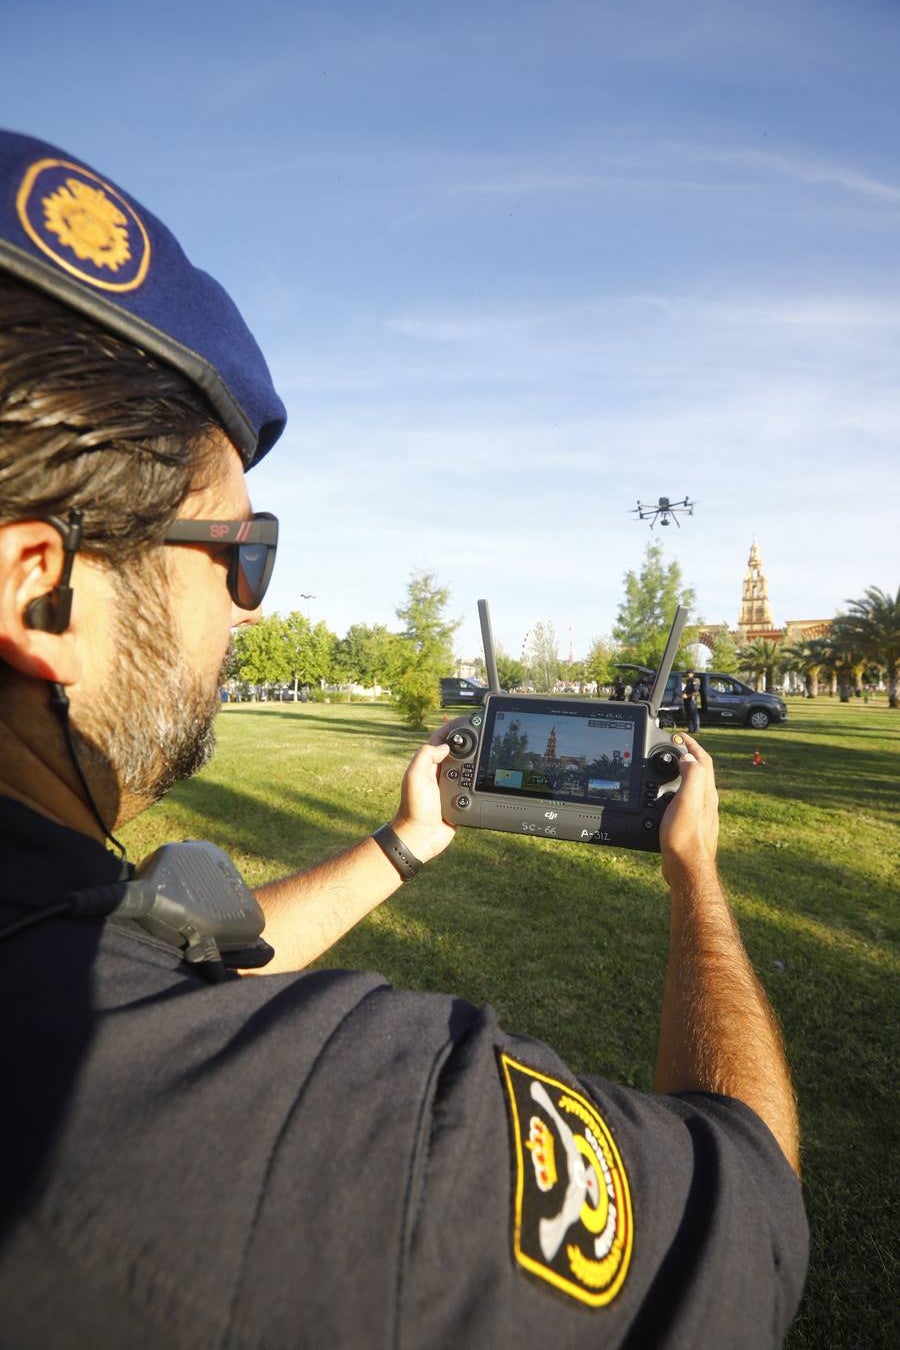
(573, 1224)
(84, 225)
(85, 220)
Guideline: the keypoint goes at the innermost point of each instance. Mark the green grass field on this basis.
(568, 942)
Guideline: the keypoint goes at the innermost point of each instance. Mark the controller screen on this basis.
(561, 750)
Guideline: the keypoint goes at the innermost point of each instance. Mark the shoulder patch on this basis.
(572, 1217)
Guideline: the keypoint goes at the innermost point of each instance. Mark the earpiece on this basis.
(50, 613)
(39, 613)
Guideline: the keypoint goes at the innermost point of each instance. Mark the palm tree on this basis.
(872, 626)
(843, 660)
(760, 657)
(806, 659)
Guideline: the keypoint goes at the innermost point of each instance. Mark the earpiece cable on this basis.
(59, 702)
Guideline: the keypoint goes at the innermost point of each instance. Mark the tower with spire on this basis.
(756, 612)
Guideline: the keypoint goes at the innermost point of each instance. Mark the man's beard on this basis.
(155, 725)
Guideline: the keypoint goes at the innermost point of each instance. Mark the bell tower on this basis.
(756, 613)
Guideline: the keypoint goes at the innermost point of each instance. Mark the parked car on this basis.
(723, 700)
(455, 692)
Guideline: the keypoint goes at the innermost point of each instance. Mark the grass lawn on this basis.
(568, 942)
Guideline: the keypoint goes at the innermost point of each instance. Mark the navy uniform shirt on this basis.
(320, 1160)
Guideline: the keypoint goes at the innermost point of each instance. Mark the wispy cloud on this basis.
(814, 313)
(808, 170)
(470, 327)
(636, 162)
(792, 165)
(527, 182)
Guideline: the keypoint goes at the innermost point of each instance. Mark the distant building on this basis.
(755, 618)
(756, 612)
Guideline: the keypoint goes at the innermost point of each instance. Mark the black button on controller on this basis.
(461, 742)
(665, 764)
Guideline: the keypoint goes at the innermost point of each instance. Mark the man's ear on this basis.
(32, 557)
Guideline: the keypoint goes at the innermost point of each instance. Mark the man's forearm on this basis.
(719, 1033)
(308, 912)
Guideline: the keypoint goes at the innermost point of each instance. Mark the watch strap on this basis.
(394, 849)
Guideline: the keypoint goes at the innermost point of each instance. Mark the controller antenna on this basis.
(668, 659)
(487, 642)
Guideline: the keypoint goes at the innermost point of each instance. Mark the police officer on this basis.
(293, 1159)
(689, 695)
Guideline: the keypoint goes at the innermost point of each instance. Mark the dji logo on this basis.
(550, 815)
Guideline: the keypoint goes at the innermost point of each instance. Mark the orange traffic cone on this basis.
(757, 757)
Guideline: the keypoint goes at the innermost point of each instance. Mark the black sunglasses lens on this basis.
(249, 575)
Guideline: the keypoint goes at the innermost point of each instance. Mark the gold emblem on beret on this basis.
(85, 220)
(84, 225)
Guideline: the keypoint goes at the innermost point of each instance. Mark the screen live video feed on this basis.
(579, 755)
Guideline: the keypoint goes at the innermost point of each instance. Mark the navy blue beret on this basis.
(76, 235)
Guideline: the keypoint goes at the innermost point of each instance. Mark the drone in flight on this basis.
(663, 511)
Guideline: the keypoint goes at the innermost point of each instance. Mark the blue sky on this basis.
(518, 265)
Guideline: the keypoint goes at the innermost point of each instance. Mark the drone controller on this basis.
(591, 770)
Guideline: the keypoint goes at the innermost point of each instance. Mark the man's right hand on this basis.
(689, 833)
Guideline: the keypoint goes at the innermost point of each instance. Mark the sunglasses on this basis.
(253, 543)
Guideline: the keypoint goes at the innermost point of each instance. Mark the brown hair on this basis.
(88, 420)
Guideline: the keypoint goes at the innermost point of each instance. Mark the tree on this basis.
(806, 659)
(842, 659)
(366, 655)
(322, 653)
(645, 615)
(309, 651)
(872, 628)
(724, 655)
(279, 651)
(573, 672)
(541, 656)
(759, 658)
(262, 651)
(511, 751)
(598, 664)
(425, 650)
(510, 672)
